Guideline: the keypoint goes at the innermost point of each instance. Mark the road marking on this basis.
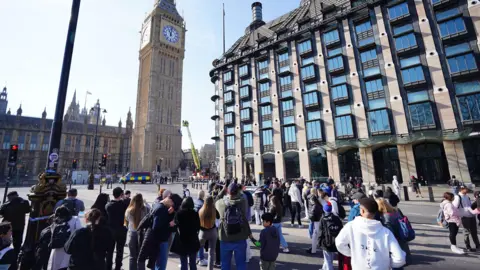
(422, 215)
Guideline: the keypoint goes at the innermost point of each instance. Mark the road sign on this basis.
(51, 164)
(53, 157)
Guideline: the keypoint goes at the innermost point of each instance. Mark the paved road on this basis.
(430, 250)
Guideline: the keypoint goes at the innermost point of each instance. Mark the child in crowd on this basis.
(269, 243)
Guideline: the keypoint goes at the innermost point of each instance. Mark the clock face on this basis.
(171, 34)
(146, 34)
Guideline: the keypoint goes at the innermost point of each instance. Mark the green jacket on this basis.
(241, 203)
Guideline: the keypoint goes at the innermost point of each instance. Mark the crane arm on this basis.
(196, 160)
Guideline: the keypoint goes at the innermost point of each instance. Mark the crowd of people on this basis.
(214, 227)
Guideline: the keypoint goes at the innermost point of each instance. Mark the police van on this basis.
(136, 177)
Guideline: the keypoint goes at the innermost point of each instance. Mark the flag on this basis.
(89, 93)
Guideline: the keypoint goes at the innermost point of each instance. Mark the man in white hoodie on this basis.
(296, 197)
(369, 244)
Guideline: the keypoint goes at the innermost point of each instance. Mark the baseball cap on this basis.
(327, 208)
(233, 188)
(358, 196)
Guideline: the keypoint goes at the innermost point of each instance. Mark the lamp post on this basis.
(96, 109)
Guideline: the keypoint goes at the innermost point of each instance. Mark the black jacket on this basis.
(330, 225)
(188, 226)
(116, 214)
(315, 209)
(88, 249)
(277, 212)
(14, 211)
(270, 244)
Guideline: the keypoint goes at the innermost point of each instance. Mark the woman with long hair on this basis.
(186, 242)
(101, 202)
(276, 209)
(136, 211)
(88, 246)
(454, 219)
(208, 230)
(63, 221)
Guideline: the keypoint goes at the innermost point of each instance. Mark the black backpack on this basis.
(233, 219)
(60, 235)
(71, 205)
(341, 211)
(249, 198)
(330, 230)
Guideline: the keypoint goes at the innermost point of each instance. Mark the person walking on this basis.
(307, 186)
(392, 198)
(116, 217)
(296, 198)
(269, 243)
(156, 243)
(355, 210)
(463, 203)
(64, 225)
(453, 218)
(397, 188)
(275, 208)
(234, 228)
(199, 200)
(416, 186)
(208, 231)
(186, 242)
(259, 202)
(330, 226)
(287, 200)
(315, 214)
(454, 184)
(88, 246)
(134, 214)
(368, 243)
(14, 211)
(72, 203)
(100, 204)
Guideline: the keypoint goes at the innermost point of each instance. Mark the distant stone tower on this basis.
(156, 137)
(3, 101)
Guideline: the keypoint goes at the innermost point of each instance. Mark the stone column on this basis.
(304, 160)
(407, 161)
(440, 91)
(396, 102)
(223, 157)
(239, 162)
(333, 166)
(366, 161)
(457, 162)
(277, 127)
(257, 148)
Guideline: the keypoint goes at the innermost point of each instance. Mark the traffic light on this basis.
(74, 164)
(104, 160)
(12, 155)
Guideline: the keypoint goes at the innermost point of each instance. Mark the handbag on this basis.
(176, 243)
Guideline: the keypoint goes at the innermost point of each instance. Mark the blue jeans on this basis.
(310, 229)
(283, 242)
(328, 260)
(188, 260)
(162, 257)
(201, 253)
(238, 249)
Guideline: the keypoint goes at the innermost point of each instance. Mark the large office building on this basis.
(157, 139)
(353, 88)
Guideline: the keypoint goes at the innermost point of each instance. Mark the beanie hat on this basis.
(327, 208)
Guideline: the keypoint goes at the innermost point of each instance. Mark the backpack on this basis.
(249, 198)
(341, 211)
(71, 205)
(60, 235)
(406, 233)
(233, 219)
(330, 231)
(441, 219)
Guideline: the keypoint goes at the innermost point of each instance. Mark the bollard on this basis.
(383, 188)
(430, 194)
(100, 188)
(405, 191)
(124, 185)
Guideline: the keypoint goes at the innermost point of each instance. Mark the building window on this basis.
(339, 92)
(363, 27)
(452, 27)
(446, 14)
(467, 87)
(379, 122)
(228, 97)
(246, 104)
(305, 46)
(7, 137)
(228, 131)
(45, 146)
(245, 82)
(248, 140)
(405, 42)
(335, 63)
(247, 127)
(231, 142)
(283, 62)
(287, 105)
(377, 103)
(460, 58)
(313, 115)
(228, 88)
(288, 120)
(227, 77)
(267, 124)
(310, 87)
(289, 134)
(285, 83)
(228, 118)
(33, 142)
(334, 51)
(21, 141)
(244, 92)
(307, 72)
(265, 110)
(263, 69)
(342, 110)
(267, 137)
(314, 131)
(368, 55)
(245, 114)
(229, 108)
(338, 79)
(343, 126)
(469, 107)
(412, 71)
(421, 115)
(398, 11)
(308, 61)
(369, 72)
(243, 70)
(310, 99)
(366, 41)
(331, 37)
(402, 29)
(374, 85)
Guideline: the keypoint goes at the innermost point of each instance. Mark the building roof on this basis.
(170, 7)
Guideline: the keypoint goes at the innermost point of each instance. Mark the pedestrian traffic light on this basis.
(74, 164)
(12, 155)
(104, 160)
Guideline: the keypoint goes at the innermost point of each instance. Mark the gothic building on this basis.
(32, 136)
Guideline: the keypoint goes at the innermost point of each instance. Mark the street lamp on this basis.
(97, 110)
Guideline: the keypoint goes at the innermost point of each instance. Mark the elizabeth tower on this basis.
(157, 139)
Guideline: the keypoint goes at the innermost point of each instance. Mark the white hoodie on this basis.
(370, 245)
(295, 194)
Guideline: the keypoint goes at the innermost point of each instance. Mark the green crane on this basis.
(196, 160)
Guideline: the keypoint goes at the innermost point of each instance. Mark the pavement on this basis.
(430, 249)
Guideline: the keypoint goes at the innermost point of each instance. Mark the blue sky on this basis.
(105, 59)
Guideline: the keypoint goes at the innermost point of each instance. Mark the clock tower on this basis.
(157, 140)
